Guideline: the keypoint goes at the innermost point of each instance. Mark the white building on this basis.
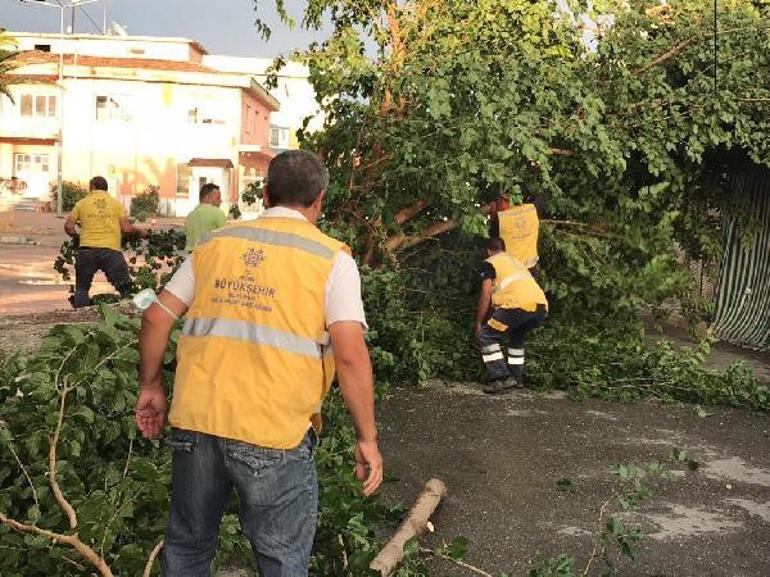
(140, 111)
(294, 93)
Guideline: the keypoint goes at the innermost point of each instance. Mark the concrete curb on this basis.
(18, 240)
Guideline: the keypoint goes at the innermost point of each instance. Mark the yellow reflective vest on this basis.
(513, 286)
(519, 228)
(254, 359)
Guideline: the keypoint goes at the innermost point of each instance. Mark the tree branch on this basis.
(561, 151)
(57, 492)
(666, 55)
(26, 474)
(595, 549)
(669, 54)
(71, 540)
(457, 562)
(151, 559)
(410, 211)
(128, 457)
(401, 241)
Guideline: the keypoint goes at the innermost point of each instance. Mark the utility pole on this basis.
(61, 7)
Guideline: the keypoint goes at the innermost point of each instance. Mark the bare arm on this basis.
(354, 369)
(485, 301)
(157, 325)
(70, 227)
(127, 227)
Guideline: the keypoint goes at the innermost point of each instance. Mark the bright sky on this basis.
(222, 26)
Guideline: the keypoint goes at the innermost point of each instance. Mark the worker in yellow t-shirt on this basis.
(102, 220)
(517, 305)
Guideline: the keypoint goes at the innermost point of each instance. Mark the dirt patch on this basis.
(761, 510)
(683, 521)
(26, 332)
(734, 469)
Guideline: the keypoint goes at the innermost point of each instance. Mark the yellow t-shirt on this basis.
(519, 227)
(99, 215)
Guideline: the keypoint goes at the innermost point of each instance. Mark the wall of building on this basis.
(294, 91)
(175, 49)
(255, 121)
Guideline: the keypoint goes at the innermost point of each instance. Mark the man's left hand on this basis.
(369, 465)
(151, 406)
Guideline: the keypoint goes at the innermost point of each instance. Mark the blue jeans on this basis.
(278, 496)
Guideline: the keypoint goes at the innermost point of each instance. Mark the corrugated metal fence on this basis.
(742, 314)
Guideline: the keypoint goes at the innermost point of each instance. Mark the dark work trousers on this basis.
(88, 261)
(511, 325)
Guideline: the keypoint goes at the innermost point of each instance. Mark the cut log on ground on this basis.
(416, 523)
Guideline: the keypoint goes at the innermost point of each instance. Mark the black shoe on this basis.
(500, 385)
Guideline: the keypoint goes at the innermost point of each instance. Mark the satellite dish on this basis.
(118, 29)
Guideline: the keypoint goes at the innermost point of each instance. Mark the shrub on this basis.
(146, 204)
(71, 193)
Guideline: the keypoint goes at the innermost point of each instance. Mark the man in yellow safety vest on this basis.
(272, 307)
(518, 305)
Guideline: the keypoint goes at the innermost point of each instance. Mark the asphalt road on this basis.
(28, 283)
(501, 457)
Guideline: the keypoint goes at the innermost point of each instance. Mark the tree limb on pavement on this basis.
(416, 523)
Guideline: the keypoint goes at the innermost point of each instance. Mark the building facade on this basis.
(142, 112)
(293, 91)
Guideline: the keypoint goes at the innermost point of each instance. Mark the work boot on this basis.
(501, 385)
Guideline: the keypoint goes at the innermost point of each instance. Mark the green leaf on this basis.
(564, 484)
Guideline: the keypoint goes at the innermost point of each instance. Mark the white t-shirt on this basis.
(343, 287)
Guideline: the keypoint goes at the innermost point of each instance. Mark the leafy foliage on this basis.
(621, 133)
(118, 483)
(615, 540)
(72, 192)
(115, 482)
(462, 101)
(614, 361)
(145, 204)
(7, 63)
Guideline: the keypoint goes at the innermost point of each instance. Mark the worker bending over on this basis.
(519, 306)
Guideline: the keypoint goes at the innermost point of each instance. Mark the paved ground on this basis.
(501, 457)
(28, 283)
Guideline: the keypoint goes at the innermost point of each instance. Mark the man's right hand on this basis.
(151, 408)
(368, 457)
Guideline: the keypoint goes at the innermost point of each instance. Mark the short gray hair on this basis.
(296, 177)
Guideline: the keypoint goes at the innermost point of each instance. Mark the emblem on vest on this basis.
(252, 258)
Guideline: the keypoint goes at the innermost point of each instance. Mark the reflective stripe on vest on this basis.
(509, 279)
(253, 333)
(274, 237)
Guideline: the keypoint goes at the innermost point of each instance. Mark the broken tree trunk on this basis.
(416, 523)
